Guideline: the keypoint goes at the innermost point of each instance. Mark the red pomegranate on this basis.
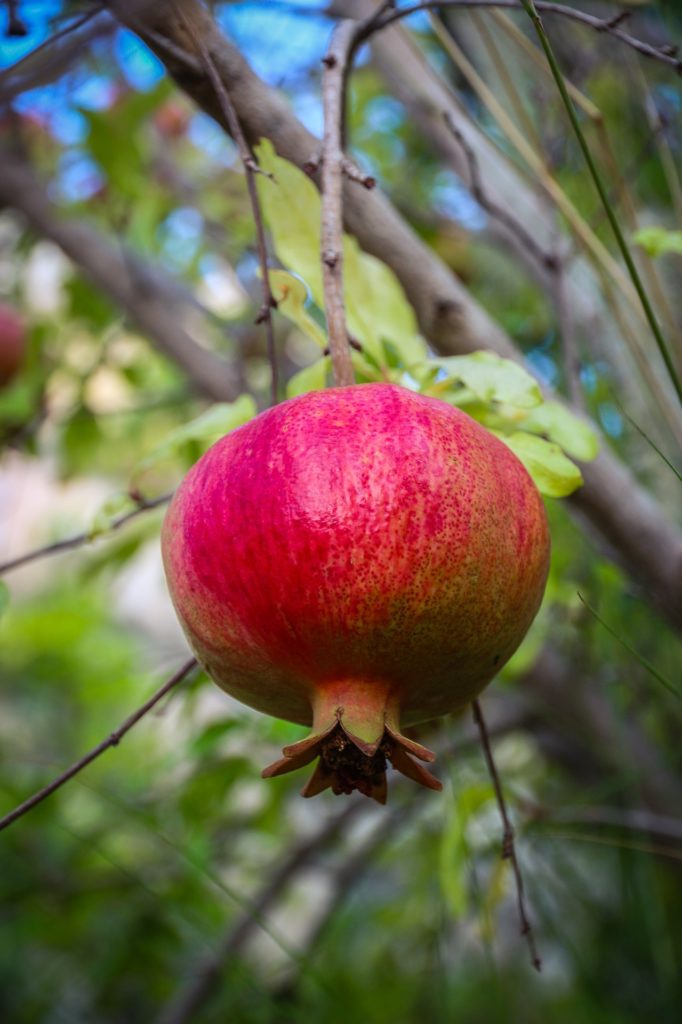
(358, 559)
(12, 343)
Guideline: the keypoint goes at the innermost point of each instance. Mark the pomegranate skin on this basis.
(12, 343)
(363, 557)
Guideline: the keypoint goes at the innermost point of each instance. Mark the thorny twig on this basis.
(353, 173)
(251, 169)
(142, 505)
(508, 849)
(111, 741)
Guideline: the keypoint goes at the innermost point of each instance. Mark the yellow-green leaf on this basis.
(656, 240)
(454, 849)
(493, 379)
(291, 295)
(311, 378)
(207, 428)
(115, 506)
(291, 206)
(553, 472)
(376, 306)
(557, 423)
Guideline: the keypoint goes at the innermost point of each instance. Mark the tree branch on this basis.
(508, 847)
(148, 297)
(54, 55)
(251, 168)
(113, 740)
(77, 541)
(611, 26)
(335, 63)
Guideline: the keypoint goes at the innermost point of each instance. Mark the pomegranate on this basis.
(12, 343)
(172, 119)
(359, 559)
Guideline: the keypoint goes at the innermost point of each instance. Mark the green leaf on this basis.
(454, 848)
(376, 306)
(4, 598)
(206, 429)
(493, 379)
(311, 378)
(291, 207)
(113, 507)
(291, 295)
(558, 424)
(554, 474)
(386, 306)
(656, 241)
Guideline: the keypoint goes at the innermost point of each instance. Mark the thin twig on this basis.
(651, 669)
(353, 173)
(569, 340)
(665, 54)
(251, 169)
(27, 72)
(113, 740)
(335, 63)
(652, 444)
(508, 849)
(546, 259)
(143, 505)
(532, 10)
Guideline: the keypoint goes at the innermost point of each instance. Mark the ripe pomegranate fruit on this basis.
(361, 559)
(12, 343)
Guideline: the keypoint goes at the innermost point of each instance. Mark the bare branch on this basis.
(548, 259)
(251, 168)
(80, 539)
(665, 54)
(113, 740)
(508, 848)
(51, 57)
(333, 78)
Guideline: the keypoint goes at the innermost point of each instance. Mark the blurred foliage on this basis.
(118, 888)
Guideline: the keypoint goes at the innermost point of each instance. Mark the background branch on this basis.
(251, 169)
(112, 741)
(148, 297)
(87, 537)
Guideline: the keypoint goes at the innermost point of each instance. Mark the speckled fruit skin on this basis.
(362, 556)
(12, 343)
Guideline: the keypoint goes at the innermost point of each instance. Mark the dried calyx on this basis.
(347, 763)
